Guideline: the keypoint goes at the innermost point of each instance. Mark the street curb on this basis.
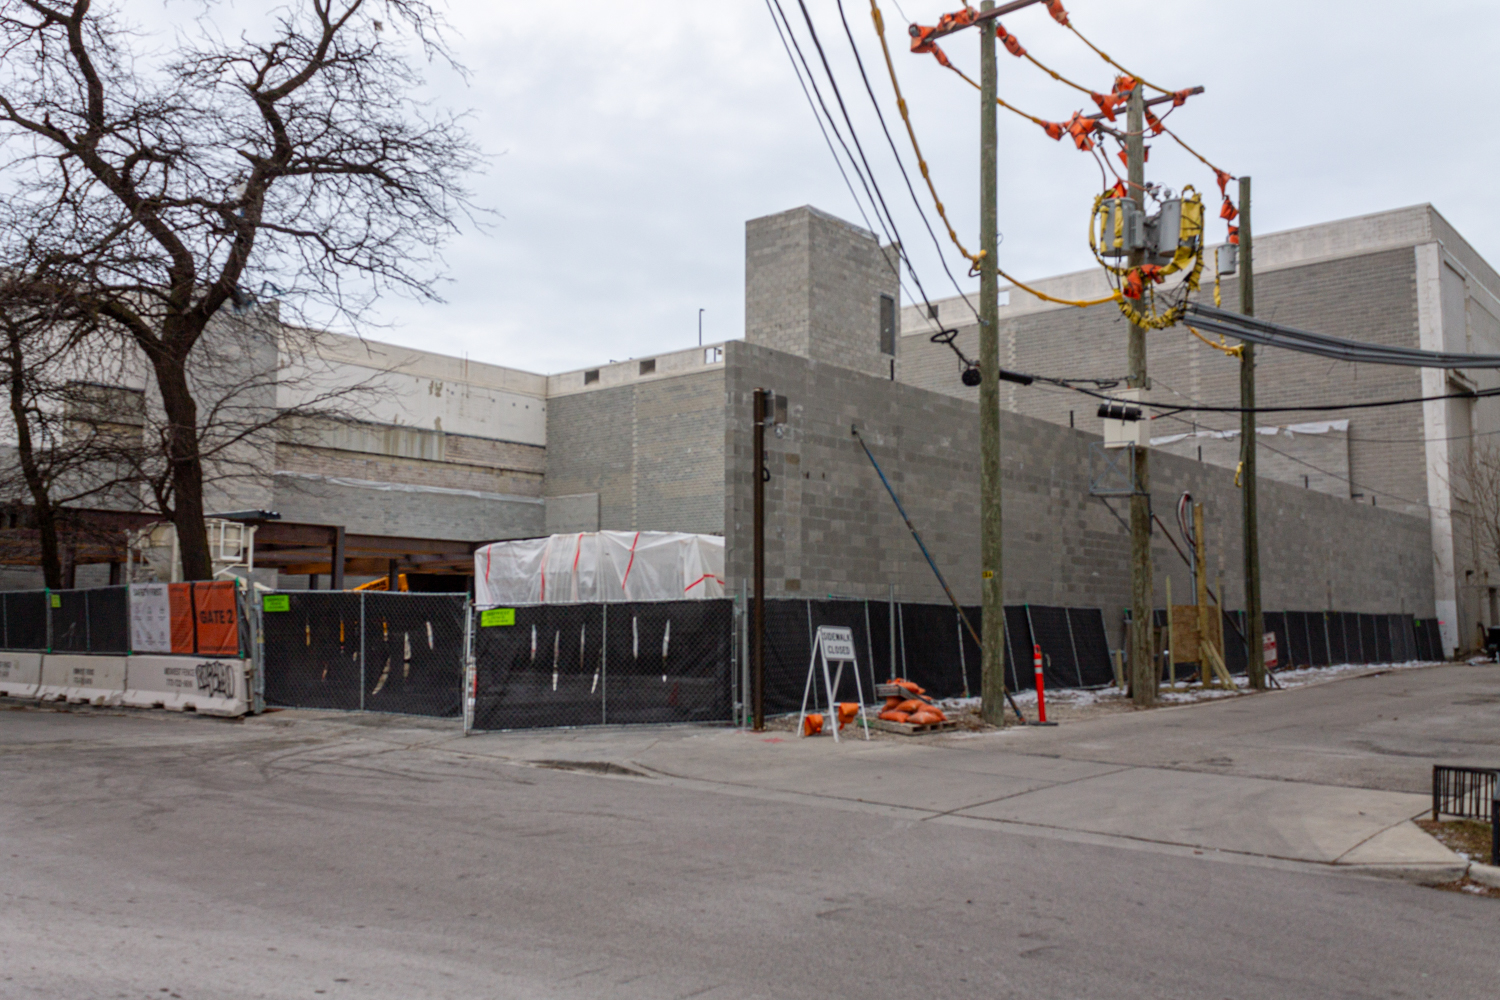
(1433, 874)
(1484, 874)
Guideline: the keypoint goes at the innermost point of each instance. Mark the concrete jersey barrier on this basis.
(207, 685)
(82, 680)
(20, 674)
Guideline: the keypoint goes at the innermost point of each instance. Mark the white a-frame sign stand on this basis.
(835, 645)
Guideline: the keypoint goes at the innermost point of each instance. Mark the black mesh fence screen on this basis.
(1050, 630)
(1091, 644)
(1296, 629)
(399, 653)
(109, 619)
(75, 621)
(1367, 641)
(1407, 626)
(1427, 640)
(414, 653)
(1235, 655)
(668, 662)
(591, 664)
(312, 649)
(1018, 652)
(1338, 649)
(1317, 638)
(1382, 638)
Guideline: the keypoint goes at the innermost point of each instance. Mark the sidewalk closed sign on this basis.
(838, 644)
(1268, 644)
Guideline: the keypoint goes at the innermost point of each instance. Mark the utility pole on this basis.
(1145, 673)
(1254, 618)
(758, 610)
(992, 670)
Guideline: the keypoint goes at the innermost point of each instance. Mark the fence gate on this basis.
(593, 664)
(377, 652)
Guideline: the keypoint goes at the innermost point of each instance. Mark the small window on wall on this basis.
(887, 325)
(648, 367)
(591, 376)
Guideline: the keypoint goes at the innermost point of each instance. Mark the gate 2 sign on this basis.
(838, 644)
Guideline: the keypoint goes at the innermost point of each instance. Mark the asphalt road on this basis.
(152, 856)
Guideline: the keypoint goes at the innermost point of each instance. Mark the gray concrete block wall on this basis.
(812, 287)
(369, 511)
(652, 450)
(832, 529)
(1370, 297)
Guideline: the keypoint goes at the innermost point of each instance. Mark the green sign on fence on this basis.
(277, 602)
(57, 600)
(497, 616)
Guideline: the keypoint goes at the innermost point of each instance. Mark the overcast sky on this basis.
(631, 141)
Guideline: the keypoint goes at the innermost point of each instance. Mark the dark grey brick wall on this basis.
(652, 450)
(831, 527)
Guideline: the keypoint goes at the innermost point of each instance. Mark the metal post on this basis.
(992, 651)
(604, 664)
(758, 614)
(1256, 625)
(470, 671)
(361, 650)
(745, 654)
(1200, 560)
(336, 570)
(1171, 642)
(1145, 674)
(891, 633)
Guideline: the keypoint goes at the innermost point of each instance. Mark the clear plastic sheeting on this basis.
(600, 566)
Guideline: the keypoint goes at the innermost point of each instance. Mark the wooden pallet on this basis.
(911, 728)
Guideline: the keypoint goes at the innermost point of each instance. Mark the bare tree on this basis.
(153, 193)
(74, 439)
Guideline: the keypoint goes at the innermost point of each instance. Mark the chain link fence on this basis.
(376, 652)
(929, 644)
(96, 620)
(595, 664)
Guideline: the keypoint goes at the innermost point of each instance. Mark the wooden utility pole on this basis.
(992, 670)
(1145, 673)
(1254, 618)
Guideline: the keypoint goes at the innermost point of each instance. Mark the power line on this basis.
(854, 135)
(822, 128)
(897, 155)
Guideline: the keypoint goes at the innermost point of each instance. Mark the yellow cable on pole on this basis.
(890, 66)
(911, 133)
(1105, 56)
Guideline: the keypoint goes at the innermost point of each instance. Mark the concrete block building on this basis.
(1355, 516)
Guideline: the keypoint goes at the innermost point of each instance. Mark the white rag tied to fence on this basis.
(597, 566)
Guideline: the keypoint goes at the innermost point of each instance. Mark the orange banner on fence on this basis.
(180, 600)
(217, 620)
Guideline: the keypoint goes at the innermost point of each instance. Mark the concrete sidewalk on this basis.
(996, 779)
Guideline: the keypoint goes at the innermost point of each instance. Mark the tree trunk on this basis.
(36, 483)
(187, 469)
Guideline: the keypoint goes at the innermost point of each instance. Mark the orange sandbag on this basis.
(925, 719)
(894, 716)
(911, 705)
(893, 701)
(812, 725)
(848, 711)
(909, 685)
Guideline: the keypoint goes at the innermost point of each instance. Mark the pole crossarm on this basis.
(1259, 331)
(959, 24)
